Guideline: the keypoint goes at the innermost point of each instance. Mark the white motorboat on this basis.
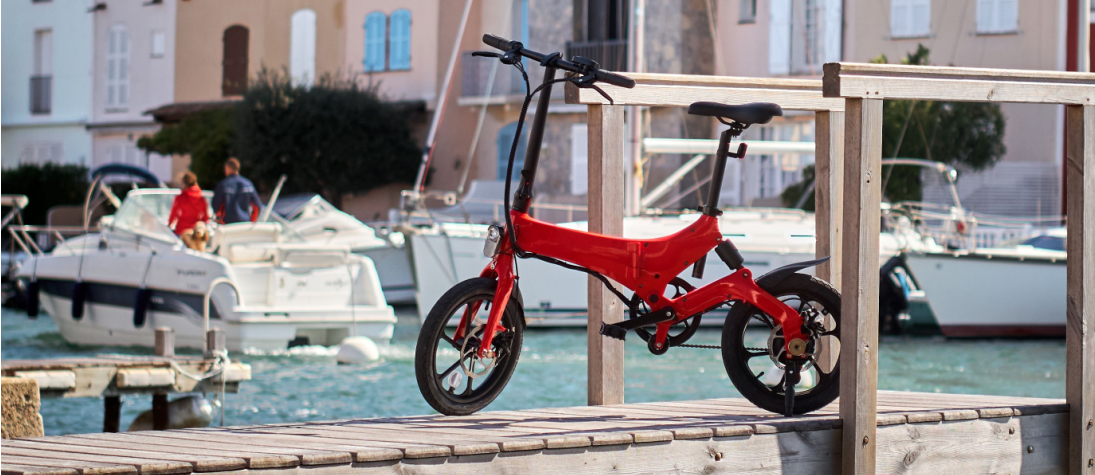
(314, 220)
(1012, 291)
(280, 290)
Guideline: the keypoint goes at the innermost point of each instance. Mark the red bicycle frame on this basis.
(644, 265)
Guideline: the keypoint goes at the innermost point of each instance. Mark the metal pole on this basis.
(633, 185)
(439, 108)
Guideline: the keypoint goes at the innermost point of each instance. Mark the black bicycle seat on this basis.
(745, 114)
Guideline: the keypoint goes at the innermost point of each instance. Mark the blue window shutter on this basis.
(375, 26)
(399, 40)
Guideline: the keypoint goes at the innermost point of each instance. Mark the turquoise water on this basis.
(307, 385)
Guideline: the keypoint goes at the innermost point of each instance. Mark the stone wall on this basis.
(19, 408)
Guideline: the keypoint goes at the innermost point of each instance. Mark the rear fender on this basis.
(775, 276)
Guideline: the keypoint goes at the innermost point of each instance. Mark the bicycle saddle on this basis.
(746, 114)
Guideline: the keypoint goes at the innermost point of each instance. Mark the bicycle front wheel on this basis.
(452, 377)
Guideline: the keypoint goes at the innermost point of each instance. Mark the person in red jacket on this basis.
(188, 211)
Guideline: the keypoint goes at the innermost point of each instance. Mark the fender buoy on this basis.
(140, 306)
(33, 287)
(79, 296)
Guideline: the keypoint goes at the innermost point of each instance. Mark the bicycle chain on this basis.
(715, 347)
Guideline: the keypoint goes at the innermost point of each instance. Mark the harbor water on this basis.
(306, 384)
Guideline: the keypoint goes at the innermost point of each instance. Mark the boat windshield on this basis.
(1045, 241)
(145, 212)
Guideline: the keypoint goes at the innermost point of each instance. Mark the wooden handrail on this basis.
(677, 90)
(937, 83)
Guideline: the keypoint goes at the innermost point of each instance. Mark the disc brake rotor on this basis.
(472, 354)
(777, 351)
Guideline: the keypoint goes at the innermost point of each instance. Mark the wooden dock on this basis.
(112, 376)
(917, 433)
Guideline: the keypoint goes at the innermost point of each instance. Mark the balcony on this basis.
(41, 94)
(476, 84)
(610, 54)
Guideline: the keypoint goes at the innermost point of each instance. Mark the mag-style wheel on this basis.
(453, 379)
(755, 357)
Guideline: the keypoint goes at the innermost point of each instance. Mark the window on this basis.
(803, 35)
(158, 44)
(302, 53)
(747, 11)
(399, 40)
(910, 18)
(117, 68)
(234, 63)
(42, 152)
(41, 79)
(375, 39)
(997, 16)
(388, 41)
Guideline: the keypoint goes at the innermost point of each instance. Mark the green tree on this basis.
(334, 137)
(206, 136)
(46, 186)
(965, 135)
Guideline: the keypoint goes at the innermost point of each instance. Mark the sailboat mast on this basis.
(439, 109)
(633, 186)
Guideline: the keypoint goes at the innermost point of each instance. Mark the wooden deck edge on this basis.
(1030, 442)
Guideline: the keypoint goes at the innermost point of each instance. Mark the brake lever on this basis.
(588, 81)
(486, 54)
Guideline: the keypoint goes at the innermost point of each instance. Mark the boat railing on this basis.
(21, 236)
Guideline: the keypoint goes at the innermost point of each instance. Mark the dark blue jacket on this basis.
(235, 200)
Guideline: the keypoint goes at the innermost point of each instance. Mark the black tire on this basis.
(797, 290)
(436, 337)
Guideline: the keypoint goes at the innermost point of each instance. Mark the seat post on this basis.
(719, 169)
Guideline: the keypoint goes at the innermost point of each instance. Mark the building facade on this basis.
(47, 82)
(967, 33)
(133, 71)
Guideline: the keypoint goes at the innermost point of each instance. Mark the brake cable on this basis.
(580, 81)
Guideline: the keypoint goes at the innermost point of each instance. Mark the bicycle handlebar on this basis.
(604, 76)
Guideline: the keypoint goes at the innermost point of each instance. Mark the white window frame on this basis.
(159, 44)
(910, 18)
(302, 50)
(997, 16)
(117, 68)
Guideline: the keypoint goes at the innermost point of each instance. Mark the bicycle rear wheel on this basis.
(755, 357)
(453, 379)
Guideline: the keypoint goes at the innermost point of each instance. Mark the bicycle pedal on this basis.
(613, 331)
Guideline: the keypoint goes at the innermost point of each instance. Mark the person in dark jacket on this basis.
(235, 199)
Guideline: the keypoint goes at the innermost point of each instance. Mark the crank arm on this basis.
(619, 330)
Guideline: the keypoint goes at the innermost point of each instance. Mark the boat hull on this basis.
(984, 295)
(108, 320)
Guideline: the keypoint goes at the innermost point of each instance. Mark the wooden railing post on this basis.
(606, 206)
(828, 205)
(1080, 324)
(829, 192)
(859, 307)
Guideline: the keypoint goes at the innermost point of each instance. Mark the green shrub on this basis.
(46, 186)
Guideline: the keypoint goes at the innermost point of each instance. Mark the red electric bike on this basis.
(786, 364)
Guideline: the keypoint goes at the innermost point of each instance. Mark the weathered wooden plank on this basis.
(606, 207)
(360, 452)
(683, 96)
(1080, 325)
(859, 307)
(307, 456)
(16, 469)
(886, 81)
(83, 468)
(409, 450)
(649, 79)
(829, 195)
(1016, 445)
(460, 445)
(201, 463)
(255, 460)
(144, 466)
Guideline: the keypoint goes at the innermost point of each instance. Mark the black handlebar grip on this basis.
(615, 79)
(498, 42)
